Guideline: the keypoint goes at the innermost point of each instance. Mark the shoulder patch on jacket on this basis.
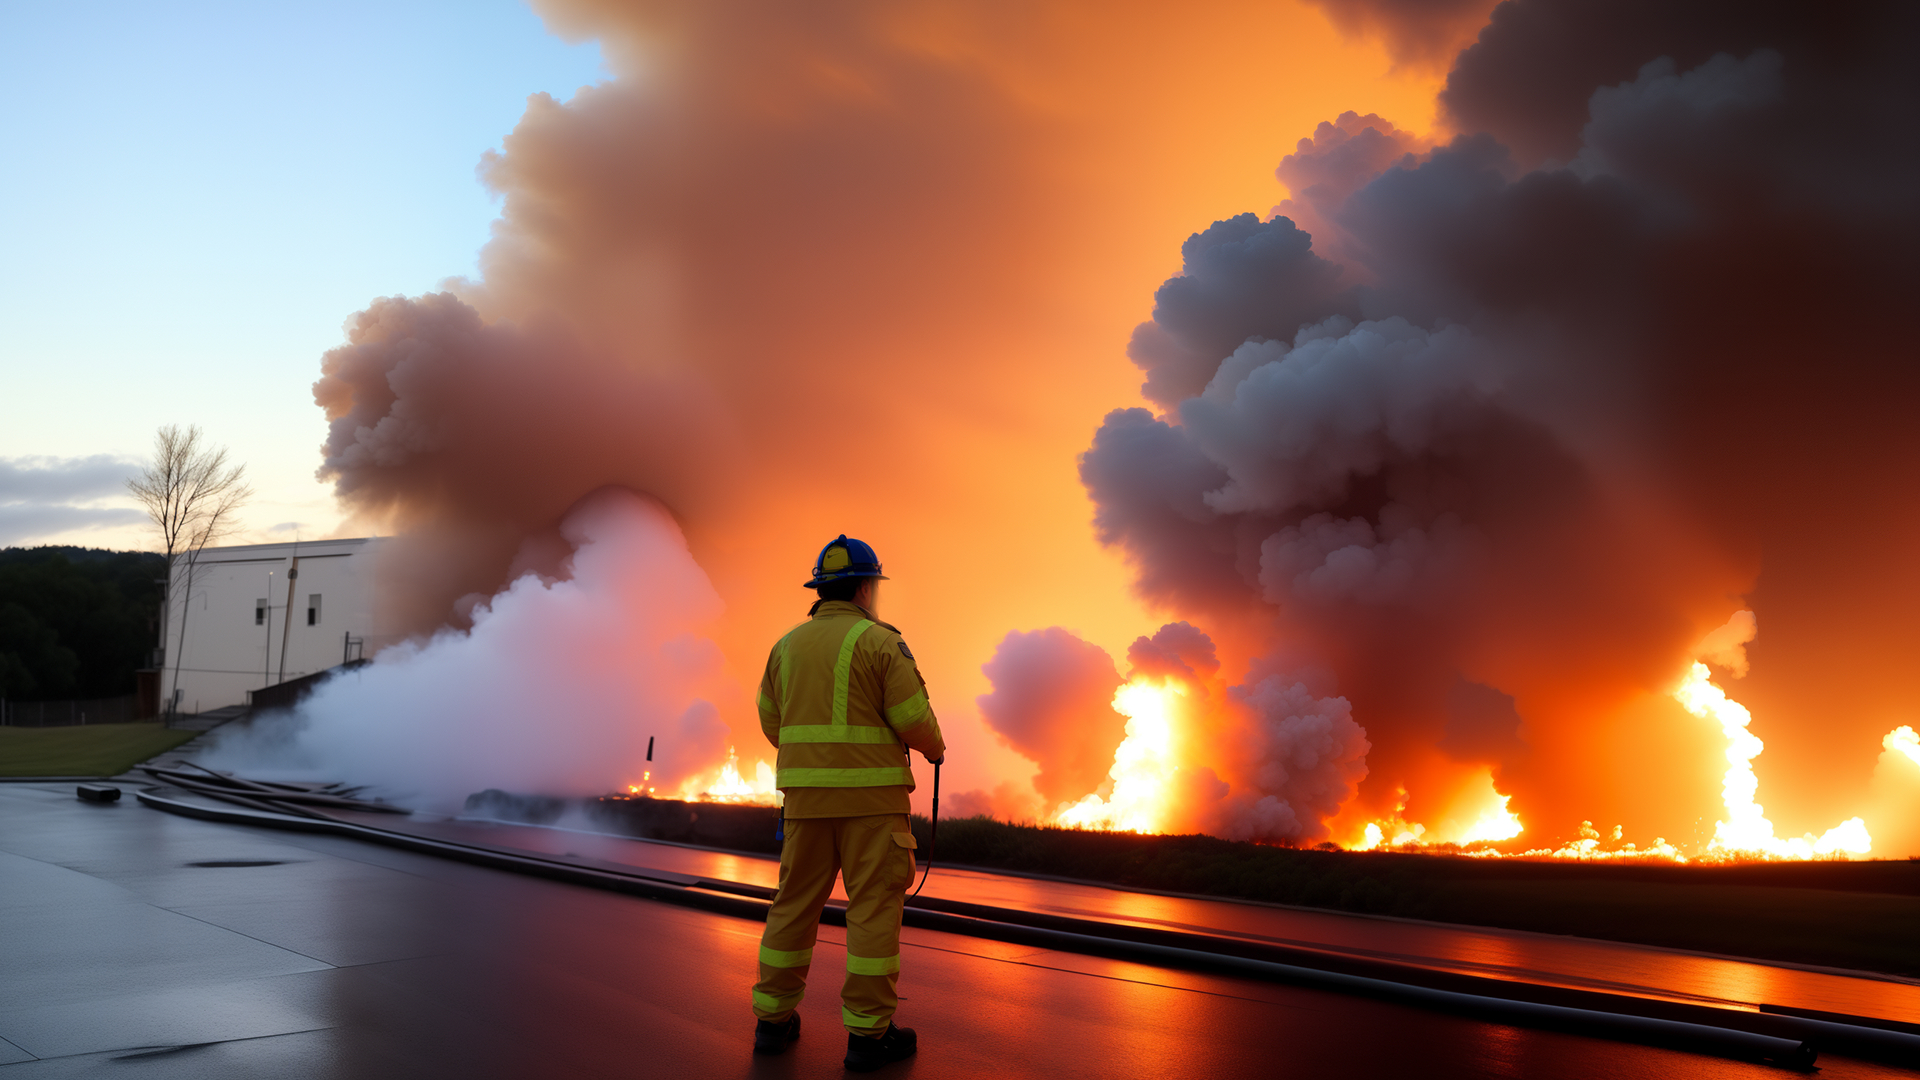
(904, 651)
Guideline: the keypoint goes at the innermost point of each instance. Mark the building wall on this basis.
(238, 637)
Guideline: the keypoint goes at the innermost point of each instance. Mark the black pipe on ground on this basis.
(1793, 1047)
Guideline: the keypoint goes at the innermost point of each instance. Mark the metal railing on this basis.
(114, 710)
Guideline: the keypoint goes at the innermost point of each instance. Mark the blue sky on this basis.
(195, 196)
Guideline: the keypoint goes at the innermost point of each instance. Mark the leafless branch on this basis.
(192, 493)
(189, 490)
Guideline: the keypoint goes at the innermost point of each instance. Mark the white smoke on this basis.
(555, 689)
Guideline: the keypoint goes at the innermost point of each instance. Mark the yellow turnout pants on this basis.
(875, 857)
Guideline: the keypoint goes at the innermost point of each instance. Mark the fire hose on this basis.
(933, 828)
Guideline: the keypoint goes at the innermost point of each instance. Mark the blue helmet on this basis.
(843, 558)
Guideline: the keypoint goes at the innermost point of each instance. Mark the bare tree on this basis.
(192, 493)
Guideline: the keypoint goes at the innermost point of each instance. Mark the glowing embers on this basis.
(1142, 767)
(644, 786)
(1746, 831)
(1589, 847)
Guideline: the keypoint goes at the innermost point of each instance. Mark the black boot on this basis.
(772, 1038)
(866, 1054)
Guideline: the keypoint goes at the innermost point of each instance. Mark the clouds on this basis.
(43, 497)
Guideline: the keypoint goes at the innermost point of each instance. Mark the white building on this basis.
(239, 636)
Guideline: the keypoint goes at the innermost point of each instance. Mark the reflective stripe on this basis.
(889, 777)
(781, 666)
(872, 965)
(909, 712)
(783, 958)
(769, 1003)
(854, 1019)
(837, 733)
(766, 705)
(843, 669)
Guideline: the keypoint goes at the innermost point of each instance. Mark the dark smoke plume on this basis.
(1537, 408)
(1417, 33)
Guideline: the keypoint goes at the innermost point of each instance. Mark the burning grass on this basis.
(1841, 914)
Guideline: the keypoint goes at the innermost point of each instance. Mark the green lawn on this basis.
(86, 750)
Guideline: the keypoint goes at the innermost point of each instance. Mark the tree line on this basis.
(76, 622)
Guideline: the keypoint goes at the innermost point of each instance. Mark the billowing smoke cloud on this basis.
(430, 413)
(555, 688)
(1292, 766)
(1178, 650)
(1341, 157)
(794, 272)
(763, 275)
(1268, 761)
(1534, 409)
(1530, 409)
(1417, 33)
(1052, 701)
(1241, 279)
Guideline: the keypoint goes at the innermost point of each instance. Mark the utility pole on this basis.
(266, 658)
(286, 624)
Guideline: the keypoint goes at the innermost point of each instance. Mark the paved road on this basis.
(141, 944)
(1538, 958)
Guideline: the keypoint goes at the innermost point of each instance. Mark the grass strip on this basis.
(84, 750)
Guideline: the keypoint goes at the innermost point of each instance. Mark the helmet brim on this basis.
(825, 578)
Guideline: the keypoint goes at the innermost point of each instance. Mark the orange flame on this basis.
(1905, 740)
(1497, 823)
(732, 787)
(1746, 831)
(1142, 766)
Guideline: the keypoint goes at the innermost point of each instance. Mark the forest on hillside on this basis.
(76, 622)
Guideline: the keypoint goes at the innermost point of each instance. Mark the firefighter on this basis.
(844, 701)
